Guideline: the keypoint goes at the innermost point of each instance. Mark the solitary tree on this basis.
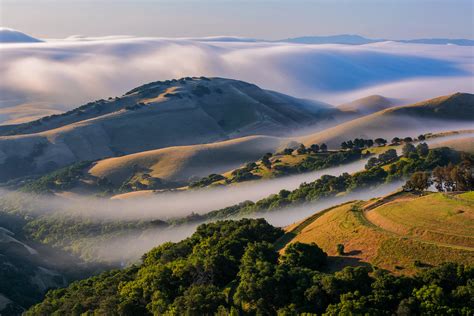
(408, 140)
(395, 140)
(380, 141)
(421, 137)
(324, 147)
(266, 160)
(340, 249)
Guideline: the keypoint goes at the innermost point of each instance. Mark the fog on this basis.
(173, 204)
(124, 248)
(67, 73)
(130, 247)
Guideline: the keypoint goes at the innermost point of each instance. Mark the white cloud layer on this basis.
(77, 70)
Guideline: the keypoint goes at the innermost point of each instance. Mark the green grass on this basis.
(467, 196)
(405, 228)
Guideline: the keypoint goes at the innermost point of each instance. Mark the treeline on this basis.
(367, 143)
(76, 174)
(389, 168)
(232, 268)
(315, 160)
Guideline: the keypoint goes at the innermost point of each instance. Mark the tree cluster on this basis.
(448, 178)
(232, 268)
(357, 143)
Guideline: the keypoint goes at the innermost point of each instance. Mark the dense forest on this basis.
(233, 268)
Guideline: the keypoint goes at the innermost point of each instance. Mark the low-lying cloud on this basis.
(70, 72)
(169, 205)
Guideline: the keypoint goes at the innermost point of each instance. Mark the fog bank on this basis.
(67, 73)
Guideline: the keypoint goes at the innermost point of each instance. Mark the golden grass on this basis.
(398, 121)
(432, 229)
(465, 144)
(435, 217)
(182, 162)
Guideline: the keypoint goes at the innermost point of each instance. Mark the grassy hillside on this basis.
(465, 144)
(439, 114)
(402, 233)
(367, 105)
(181, 163)
(157, 115)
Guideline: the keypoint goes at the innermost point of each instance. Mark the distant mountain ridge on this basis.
(350, 39)
(8, 35)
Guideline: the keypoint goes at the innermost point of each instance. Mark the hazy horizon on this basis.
(269, 19)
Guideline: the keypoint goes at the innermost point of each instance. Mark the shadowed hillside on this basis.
(157, 115)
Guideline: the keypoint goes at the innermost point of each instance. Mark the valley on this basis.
(236, 158)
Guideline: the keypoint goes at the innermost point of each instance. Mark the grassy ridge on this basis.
(402, 235)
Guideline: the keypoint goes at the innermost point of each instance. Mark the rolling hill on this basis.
(367, 105)
(157, 115)
(465, 144)
(401, 232)
(444, 113)
(181, 163)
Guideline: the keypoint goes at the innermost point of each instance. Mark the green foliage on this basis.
(207, 181)
(328, 186)
(58, 180)
(188, 277)
(407, 149)
(419, 181)
(305, 256)
(455, 177)
(232, 268)
(357, 143)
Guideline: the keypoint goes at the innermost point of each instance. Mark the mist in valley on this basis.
(129, 246)
(167, 205)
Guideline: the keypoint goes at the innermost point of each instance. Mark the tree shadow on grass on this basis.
(353, 253)
(337, 263)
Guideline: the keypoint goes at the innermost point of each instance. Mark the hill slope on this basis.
(465, 144)
(395, 231)
(367, 105)
(180, 163)
(439, 114)
(157, 115)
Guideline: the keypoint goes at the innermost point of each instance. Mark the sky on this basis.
(263, 19)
